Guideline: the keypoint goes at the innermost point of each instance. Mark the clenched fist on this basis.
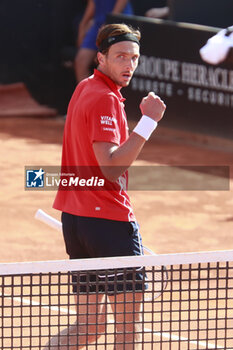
(153, 106)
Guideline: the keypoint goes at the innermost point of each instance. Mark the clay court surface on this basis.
(170, 221)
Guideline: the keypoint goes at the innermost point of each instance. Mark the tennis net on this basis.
(174, 301)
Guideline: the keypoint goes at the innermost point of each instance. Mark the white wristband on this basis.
(145, 127)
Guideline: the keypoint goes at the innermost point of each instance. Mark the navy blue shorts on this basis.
(87, 237)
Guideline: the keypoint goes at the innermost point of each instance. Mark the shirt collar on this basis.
(110, 83)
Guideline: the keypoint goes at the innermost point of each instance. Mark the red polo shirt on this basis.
(95, 113)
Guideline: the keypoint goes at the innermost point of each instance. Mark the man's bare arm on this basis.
(119, 6)
(114, 160)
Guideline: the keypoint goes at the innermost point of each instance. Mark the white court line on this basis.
(44, 306)
(166, 335)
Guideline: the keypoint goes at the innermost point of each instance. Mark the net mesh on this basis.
(183, 306)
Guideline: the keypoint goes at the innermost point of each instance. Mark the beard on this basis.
(121, 82)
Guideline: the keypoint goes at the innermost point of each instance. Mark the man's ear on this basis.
(100, 58)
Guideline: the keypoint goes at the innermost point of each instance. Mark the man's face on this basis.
(120, 62)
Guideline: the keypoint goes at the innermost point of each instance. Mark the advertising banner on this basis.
(199, 97)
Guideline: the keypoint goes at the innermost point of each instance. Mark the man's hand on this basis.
(152, 106)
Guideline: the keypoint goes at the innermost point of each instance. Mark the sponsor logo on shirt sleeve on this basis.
(108, 123)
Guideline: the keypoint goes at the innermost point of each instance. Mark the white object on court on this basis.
(49, 220)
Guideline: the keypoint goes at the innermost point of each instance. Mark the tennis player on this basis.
(102, 223)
